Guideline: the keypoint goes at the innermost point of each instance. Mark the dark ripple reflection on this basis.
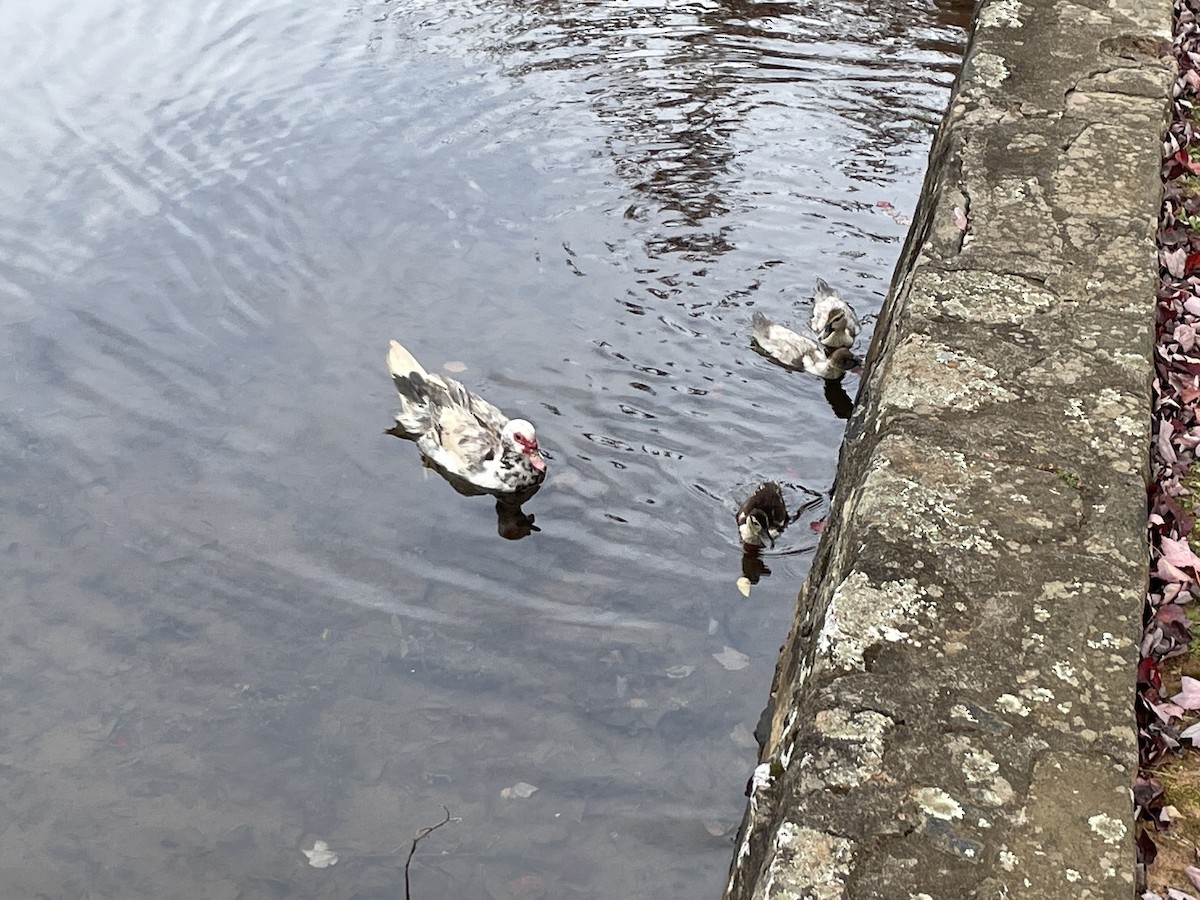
(240, 618)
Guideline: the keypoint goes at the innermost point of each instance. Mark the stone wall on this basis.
(952, 713)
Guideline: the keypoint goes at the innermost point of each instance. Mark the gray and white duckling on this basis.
(762, 518)
(833, 320)
(796, 351)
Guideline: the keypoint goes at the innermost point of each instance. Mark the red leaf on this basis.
(1182, 157)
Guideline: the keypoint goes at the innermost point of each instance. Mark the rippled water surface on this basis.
(238, 617)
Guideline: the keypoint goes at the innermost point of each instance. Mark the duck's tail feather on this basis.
(400, 362)
(824, 290)
(411, 381)
(760, 325)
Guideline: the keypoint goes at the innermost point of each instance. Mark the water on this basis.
(239, 618)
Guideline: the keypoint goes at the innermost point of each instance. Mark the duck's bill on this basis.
(535, 460)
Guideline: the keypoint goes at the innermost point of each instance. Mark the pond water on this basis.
(239, 618)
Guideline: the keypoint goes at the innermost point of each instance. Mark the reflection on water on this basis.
(239, 619)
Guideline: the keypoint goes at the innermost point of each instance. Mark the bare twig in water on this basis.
(421, 835)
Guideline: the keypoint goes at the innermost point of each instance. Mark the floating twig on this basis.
(421, 835)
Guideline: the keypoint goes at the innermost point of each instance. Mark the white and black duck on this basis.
(472, 443)
(796, 351)
(833, 319)
(762, 518)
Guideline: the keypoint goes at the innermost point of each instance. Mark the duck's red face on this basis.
(529, 446)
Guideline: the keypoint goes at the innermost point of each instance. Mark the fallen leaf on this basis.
(716, 829)
(522, 790)
(455, 366)
(960, 218)
(743, 585)
(731, 659)
(527, 887)
(743, 737)
(321, 856)
(1174, 261)
(680, 671)
(1193, 875)
(1179, 554)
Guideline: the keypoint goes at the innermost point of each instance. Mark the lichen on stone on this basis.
(937, 803)
(806, 863)
(925, 373)
(861, 615)
(1109, 828)
(1001, 13)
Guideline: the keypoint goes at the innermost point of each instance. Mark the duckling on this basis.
(833, 320)
(799, 352)
(762, 517)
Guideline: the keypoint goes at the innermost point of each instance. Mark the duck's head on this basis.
(520, 434)
(835, 323)
(754, 530)
(842, 360)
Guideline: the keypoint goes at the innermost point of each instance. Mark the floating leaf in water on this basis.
(321, 856)
(520, 791)
(680, 671)
(715, 828)
(743, 585)
(455, 366)
(743, 737)
(732, 659)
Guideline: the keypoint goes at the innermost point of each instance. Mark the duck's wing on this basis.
(782, 344)
(461, 444)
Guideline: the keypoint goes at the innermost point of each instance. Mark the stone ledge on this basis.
(951, 715)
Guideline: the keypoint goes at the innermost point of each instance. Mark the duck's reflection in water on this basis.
(512, 522)
(839, 401)
(753, 567)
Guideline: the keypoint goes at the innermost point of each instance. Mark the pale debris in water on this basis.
(743, 585)
(732, 659)
(321, 856)
(680, 671)
(455, 366)
(520, 791)
(743, 737)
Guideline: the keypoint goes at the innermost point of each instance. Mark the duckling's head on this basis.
(839, 330)
(754, 529)
(841, 361)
